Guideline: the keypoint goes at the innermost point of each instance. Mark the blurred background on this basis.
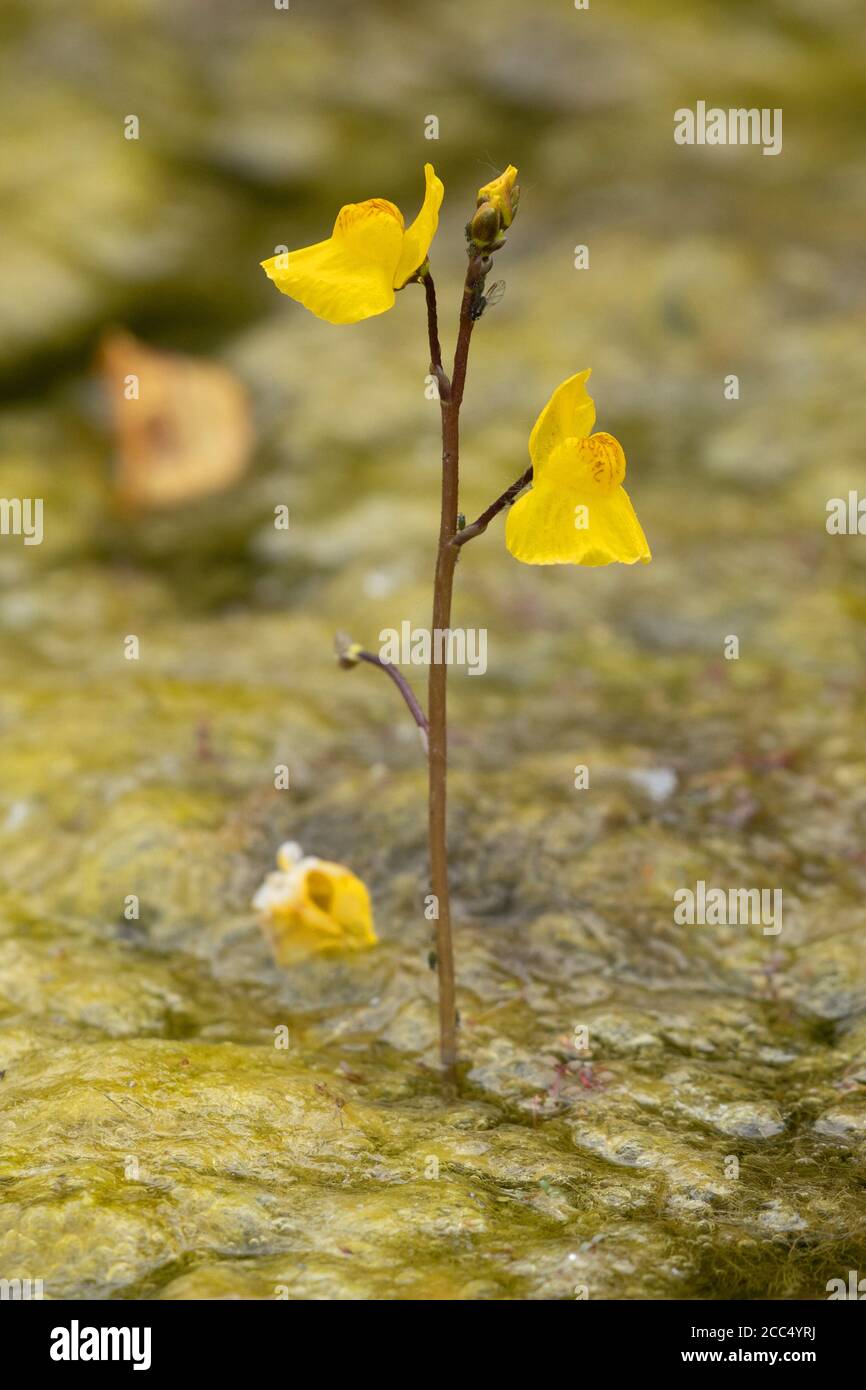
(154, 777)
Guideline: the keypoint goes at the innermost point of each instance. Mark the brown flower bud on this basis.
(485, 225)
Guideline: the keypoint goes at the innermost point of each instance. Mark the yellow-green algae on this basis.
(155, 1142)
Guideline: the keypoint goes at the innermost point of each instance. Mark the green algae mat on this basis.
(658, 1098)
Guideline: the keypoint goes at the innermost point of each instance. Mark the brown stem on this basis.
(477, 527)
(446, 559)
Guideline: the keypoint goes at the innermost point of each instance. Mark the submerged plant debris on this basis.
(647, 1110)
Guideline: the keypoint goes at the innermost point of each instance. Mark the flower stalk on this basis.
(568, 507)
(437, 703)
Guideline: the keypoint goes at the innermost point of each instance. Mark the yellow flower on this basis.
(577, 512)
(370, 254)
(502, 194)
(313, 906)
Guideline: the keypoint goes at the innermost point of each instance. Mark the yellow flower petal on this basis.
(578, 513)
(418, 237)
(569, 414)
(336, 902)
(351, 275)
(313, 906)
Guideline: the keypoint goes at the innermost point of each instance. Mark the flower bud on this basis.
(502, 194)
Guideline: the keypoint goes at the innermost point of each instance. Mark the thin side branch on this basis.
(480, 525)
(404, 688)
(433, 335)
(349, 654)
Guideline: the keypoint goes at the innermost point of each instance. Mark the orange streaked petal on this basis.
(350, 276)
